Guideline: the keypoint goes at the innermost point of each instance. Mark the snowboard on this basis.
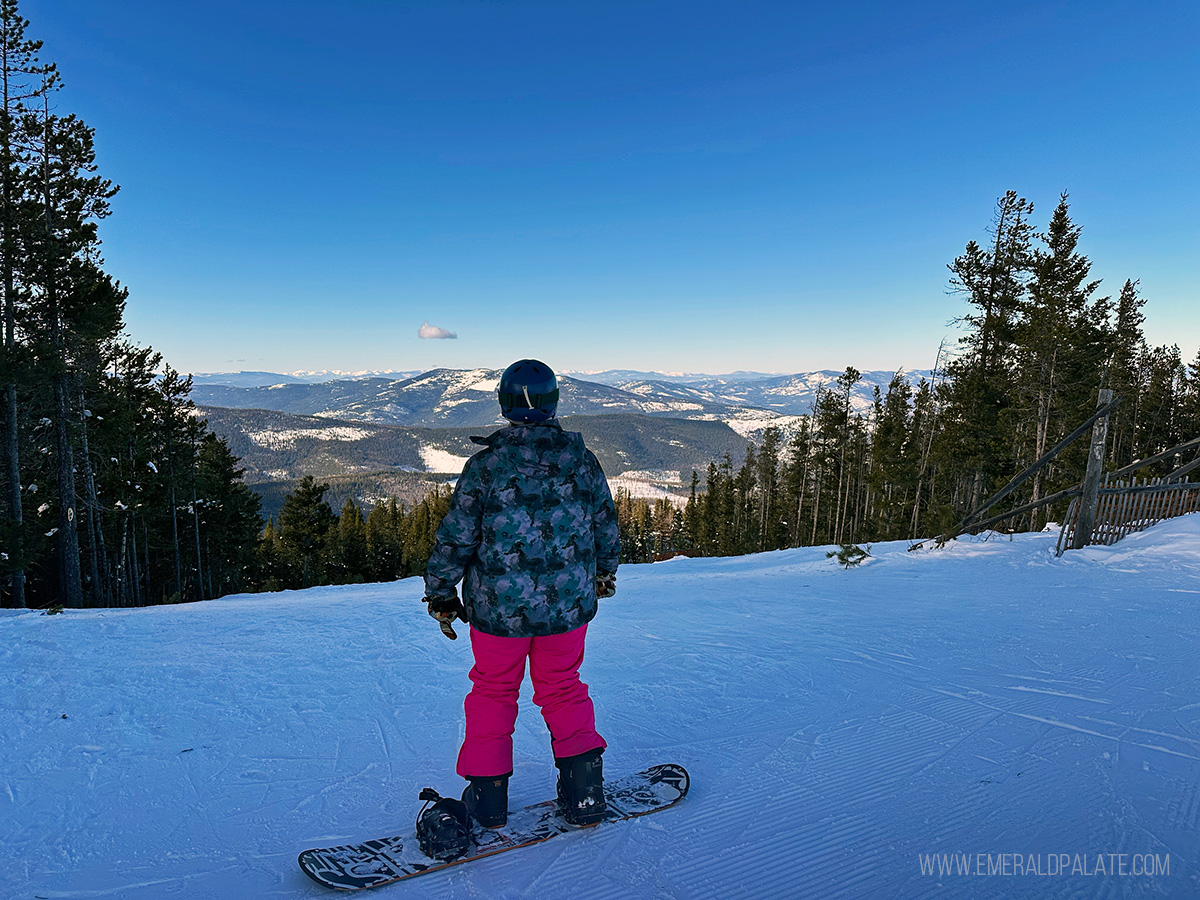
(355, 867)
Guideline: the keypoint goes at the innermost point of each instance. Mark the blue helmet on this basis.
(528, 392)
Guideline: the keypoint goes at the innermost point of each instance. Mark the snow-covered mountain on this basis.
(243, 379)
(617, 377)
(455, 398)
(984, 720)
(266, 379)
(466, 398)
(795, 394)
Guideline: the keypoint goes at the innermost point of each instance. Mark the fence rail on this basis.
(1127, 505)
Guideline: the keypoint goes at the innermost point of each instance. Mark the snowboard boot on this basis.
(487, 800)
(443, 827)
(581, 788)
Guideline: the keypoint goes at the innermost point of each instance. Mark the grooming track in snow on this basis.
(986, 699)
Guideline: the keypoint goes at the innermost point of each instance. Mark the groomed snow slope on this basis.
(984, 699)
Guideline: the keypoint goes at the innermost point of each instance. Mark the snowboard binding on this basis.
(487, 800)
(443, 827)
(581, 799)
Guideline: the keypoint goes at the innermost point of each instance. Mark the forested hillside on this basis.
(113, 492)
(277, 448)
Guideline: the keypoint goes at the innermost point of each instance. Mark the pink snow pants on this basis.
(491, 705)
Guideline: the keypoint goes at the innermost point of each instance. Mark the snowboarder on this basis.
(532, 534)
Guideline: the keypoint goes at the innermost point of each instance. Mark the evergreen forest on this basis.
(1039, 339)
(311, 545)
(112, 491)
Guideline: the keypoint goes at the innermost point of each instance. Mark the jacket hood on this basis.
(534, 449)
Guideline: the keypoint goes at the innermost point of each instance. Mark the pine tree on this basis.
(744, 534)
(230, 515)
(796, 480)
(993, 281)
(706, 531)
(771, 528)
(61, 255)
(127, 434)
(845, 437)
(1126, 347)
(1059, 345)
(919, 458)
(269, 559)
(305, 523)
(1156, 424)
(351, 563)
(1189, 401)
(385, 550)
(691, 527)
(420, 530)
(726, 540)
(173, 450)
(22, 79)
(892, 478)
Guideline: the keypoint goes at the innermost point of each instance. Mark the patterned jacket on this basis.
(530, 523)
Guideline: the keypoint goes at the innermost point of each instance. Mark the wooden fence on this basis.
(1127, 505)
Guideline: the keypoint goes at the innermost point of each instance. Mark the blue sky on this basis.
(683, 186)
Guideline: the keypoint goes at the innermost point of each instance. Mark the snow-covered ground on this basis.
(988, 700)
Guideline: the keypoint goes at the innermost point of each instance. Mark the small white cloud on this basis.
(429, 332)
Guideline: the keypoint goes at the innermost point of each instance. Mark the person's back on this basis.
(542, 507)
(532, 535)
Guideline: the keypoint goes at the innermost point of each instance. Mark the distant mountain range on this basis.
(374, 436)
(266, 379)
(467, 398)
(609, 377)
(618, 377)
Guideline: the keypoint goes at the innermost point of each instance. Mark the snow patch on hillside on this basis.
(751, 427)
(662, 476)
(437, 460)
(286, 438)
(646, 489)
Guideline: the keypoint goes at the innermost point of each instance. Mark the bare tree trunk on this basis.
(196, 524)
(132, 576)
(208, 568)
(800, 501)
(837, 512)
(147, 597)
(99, 574)
(175, 542)
(12, 452)
(121, 596)
(816, 504)
(1045, 402)
(71, 578)
(16, 553)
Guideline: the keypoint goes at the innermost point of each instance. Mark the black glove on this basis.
(446, 610)
(606, 584)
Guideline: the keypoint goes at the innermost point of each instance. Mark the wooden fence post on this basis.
(1091, 480)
